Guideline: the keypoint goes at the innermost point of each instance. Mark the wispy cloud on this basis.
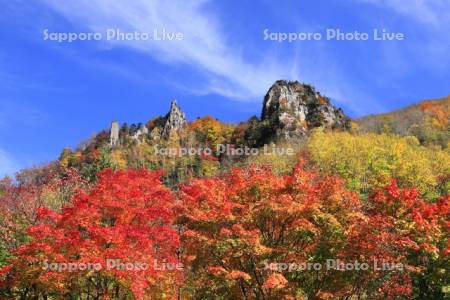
(432, 12)
(209, 50)
(205, 45)
(430, 20)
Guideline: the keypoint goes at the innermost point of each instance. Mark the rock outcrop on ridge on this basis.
(290, 109)
(175, 119)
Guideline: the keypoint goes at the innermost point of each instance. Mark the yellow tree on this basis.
(370, 160)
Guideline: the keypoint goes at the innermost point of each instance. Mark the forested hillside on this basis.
(427, 120)
(297, 203)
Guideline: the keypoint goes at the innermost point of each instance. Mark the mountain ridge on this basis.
(428, 120)
(127, 145)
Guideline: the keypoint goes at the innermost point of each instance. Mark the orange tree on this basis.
(249, 234)
(426, 224)
(254, 235)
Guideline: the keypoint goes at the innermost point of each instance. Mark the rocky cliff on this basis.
(114, 134)
(175, 119)
(291, 109)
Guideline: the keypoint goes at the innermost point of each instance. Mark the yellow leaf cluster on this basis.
(370, 160)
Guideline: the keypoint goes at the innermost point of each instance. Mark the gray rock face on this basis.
(155, 134)
(114, 134)
(140, 134)
(292, 108)
(175, 119)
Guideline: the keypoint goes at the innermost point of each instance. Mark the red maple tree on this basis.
(118, 239)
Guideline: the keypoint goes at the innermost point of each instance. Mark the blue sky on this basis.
(55, 95)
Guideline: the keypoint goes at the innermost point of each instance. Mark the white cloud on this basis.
(204, 46)
(210, 51)
(431, 12)
(431, 20)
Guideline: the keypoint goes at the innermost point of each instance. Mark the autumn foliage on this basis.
(241, 227)
(248, 234)
(369, 161)
(127, 217)
(428, 121)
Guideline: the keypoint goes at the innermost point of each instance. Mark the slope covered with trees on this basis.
(350, 213)
(428, 121)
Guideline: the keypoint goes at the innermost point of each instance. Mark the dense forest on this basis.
(321, 207)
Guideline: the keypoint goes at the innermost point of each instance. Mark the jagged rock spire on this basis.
(140, 134)
(175, 119)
